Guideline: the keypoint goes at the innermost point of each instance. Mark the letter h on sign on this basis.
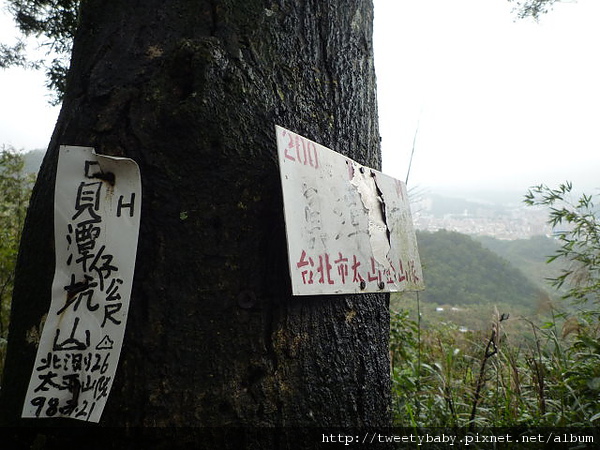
(130, 205)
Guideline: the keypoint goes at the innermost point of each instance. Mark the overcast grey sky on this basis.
(497, 102)
(26, 118)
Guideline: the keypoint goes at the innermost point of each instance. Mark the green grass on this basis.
(544, 372)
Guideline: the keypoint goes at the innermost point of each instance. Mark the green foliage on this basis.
(578, 232)
(15, 189)
(460, 271)
(532, 8)
(576, 223)
(447, 377)
(53, 23)
(13, 56)
(450, 378)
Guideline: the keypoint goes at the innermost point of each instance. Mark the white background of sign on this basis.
(97, 208)
(349, 227)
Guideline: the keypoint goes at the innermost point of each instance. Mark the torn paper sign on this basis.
(349, 227)
(97, 207)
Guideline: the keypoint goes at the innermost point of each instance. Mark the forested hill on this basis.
(33, 160)
(529, 255)
(460, 271)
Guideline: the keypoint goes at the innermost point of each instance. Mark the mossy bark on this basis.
(192, 91)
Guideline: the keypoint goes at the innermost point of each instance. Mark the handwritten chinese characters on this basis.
(349, 227)
(341, 270)
(96, 222)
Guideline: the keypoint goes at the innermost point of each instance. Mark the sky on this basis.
(26, 117)
(495, 102)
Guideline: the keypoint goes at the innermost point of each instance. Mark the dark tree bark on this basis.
(192, 91)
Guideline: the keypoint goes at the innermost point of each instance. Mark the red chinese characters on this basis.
(344, 270)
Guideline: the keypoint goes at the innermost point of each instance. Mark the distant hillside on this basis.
(33, 160)
(528, 255)
(458, 270)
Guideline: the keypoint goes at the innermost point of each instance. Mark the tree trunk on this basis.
(192, 90)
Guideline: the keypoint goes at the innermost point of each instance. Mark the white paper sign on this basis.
(96, 224)
(349, 227)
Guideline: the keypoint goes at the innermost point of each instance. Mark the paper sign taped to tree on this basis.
(349, 227)
(96, 224)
